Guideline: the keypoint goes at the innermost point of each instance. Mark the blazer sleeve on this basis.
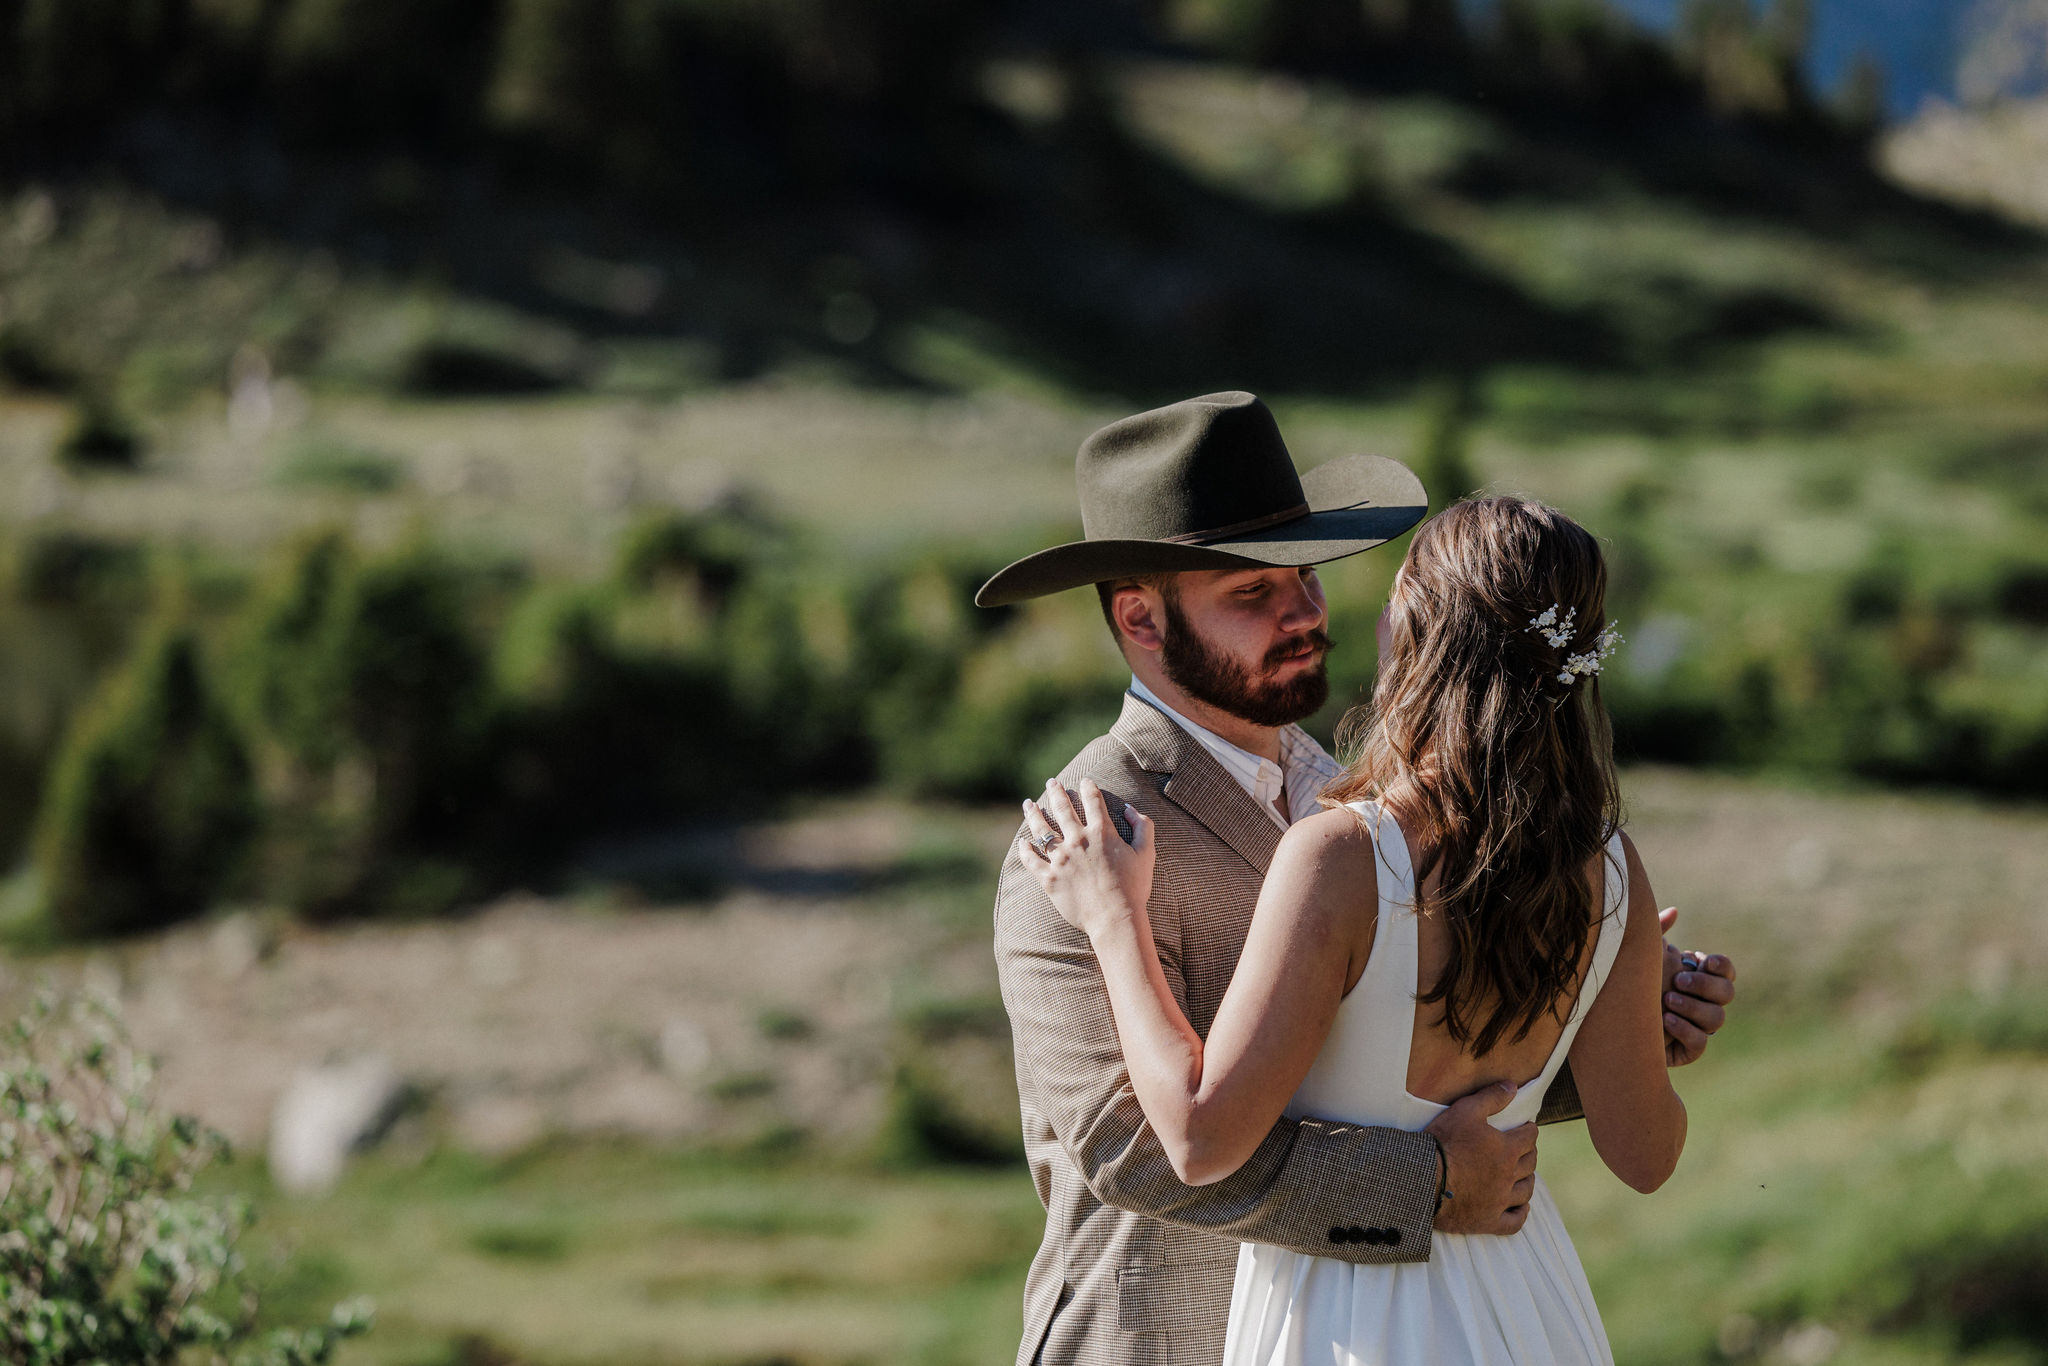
(1309, 1179)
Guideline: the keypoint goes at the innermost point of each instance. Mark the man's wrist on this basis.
(1443, 1173)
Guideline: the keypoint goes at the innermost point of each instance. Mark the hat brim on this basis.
(1355, 503)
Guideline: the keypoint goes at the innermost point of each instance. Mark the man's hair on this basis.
(1166, 585)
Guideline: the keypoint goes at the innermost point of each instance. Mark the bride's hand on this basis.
(1092, 876)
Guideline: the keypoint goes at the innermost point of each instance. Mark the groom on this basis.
(1199, 539)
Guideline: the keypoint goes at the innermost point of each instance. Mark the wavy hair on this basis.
(1501, 774)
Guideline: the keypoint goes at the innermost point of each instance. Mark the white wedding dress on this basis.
(1515, 1301)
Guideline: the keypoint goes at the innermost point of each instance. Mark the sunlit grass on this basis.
(603, 1254)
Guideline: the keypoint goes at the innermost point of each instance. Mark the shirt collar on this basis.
(1259, 776)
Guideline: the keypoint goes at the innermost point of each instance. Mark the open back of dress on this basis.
(1514, 1301)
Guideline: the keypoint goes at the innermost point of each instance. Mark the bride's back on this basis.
(1440, 1067)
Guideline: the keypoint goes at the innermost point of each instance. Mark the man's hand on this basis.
(1492, 1172)
(1697, 990)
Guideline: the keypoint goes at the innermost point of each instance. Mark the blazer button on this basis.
(1392, 1237)
(1338, 1235)
(1358, 1235)
(1372, 1237)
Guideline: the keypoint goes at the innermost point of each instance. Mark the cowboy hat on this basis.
(1207, 483)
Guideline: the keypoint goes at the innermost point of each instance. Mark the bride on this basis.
(1466, 912)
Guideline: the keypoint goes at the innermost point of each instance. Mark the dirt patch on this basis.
(775, 1005)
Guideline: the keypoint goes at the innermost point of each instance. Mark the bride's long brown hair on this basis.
(1500, 772)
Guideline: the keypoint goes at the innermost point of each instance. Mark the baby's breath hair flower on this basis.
(1558, 632)
(1588, 664)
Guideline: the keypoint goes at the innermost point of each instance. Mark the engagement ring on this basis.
(1043, 843)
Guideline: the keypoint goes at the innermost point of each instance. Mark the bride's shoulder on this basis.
(1323, 872)
(1334, 842)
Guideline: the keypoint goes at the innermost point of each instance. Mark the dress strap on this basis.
(1388, 983)
(1613, 920)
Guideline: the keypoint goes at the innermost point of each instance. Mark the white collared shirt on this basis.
(1304, 770)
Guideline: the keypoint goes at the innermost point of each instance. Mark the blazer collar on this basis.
(1195, 782)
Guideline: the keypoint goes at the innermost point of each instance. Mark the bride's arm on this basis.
(1635, 1118)
(1212, 1103)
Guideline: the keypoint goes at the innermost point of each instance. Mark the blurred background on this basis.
(491, 493)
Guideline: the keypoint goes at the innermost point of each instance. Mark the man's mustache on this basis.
(1292, 646)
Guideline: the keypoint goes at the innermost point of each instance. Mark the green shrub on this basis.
(1443, 454)
(73, 568)
(98, 438)
(595, 734)
(24, 364)
(1970, 1022)
(109, 1258)
(926, 1124)
(329, 463)
(962, 702)
(366, 696)
(149, 806)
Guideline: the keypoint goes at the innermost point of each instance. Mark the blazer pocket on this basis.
(1155, 1299)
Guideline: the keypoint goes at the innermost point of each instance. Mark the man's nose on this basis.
(1302, 608)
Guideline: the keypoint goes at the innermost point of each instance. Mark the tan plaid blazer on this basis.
(1136, 1268)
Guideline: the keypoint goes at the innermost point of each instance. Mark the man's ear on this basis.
(1140, 614)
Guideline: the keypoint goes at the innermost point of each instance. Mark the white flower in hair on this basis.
(1588, 663)
(1558, 633)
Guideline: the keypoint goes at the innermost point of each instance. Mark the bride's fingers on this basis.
(1040, 826)
(1060, 806)
(1093, 808)
(1141, 828)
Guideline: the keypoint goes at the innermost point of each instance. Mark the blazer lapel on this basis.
(1196, 783)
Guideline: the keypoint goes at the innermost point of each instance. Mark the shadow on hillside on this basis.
(983, 245)
(1073, 252)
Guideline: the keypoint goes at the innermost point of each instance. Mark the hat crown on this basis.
(1198, 467)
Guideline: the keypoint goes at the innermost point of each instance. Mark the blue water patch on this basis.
(1918, 43)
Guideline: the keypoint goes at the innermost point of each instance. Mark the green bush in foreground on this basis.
(107, 1258)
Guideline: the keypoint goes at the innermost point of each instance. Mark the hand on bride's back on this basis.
(1092, 876)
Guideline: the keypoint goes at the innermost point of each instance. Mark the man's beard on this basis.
(1208, 675)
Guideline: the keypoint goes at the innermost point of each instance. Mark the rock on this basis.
(499, 1124)
(325, 1114)
(684, 1048)
(494, 963)
(1810, 1344)
(1808, 864)
(239, 942)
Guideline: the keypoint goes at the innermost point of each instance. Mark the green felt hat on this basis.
(1207, 483)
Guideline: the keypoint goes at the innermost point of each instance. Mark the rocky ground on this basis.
(783, 1000)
